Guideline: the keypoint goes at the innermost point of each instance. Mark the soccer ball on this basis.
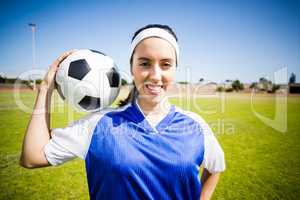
(89, 80)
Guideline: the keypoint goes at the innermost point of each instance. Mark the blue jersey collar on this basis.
(141, 120)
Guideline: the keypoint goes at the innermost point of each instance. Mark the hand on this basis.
(48, 81)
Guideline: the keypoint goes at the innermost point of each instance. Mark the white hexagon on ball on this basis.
(89, 80)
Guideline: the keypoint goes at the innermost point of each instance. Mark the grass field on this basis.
(262, 163)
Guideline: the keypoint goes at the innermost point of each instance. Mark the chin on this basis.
(154, 99)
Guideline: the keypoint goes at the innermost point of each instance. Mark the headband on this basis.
(155, 32)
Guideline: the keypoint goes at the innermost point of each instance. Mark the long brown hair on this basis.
(134, 92)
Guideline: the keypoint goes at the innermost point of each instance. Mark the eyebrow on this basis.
(143, 58)
(168, 59)
(164, 59)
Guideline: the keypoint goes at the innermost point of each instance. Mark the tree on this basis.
(2, 79)
(220, 89)
(38, 81)
(274, 88)
(253, 85)
(237, 85)
(183, 82)
(264, 84)
(292, 78)
(263, 80)
(123, 82)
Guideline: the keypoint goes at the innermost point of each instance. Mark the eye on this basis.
(166, 65)
(144, 64)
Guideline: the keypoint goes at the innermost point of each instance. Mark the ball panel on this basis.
(84, 88)
(78, 69)
(114, 92)
(95, 51)
(99, 62)
(113, 78)
(60, 92)
(90, 103)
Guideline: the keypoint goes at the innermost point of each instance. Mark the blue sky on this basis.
(219, 40)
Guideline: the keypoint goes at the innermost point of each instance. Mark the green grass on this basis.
(262, 163)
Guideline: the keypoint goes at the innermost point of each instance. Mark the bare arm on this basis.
(38, 130)
(209, 182)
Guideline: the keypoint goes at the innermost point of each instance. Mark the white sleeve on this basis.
(214, 160)
(72, 141)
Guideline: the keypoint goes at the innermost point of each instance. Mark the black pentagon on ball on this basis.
(90, 103)
(78, 69)
(95, 51)
(113, 77)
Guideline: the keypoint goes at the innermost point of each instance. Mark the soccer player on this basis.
(146, 148)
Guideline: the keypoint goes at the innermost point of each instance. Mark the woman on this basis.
(146, 149)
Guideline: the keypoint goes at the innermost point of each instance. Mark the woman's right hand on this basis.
(48, 81)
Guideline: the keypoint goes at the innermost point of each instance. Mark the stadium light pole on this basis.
(33, 29)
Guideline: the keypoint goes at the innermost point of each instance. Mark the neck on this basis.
(153, 108)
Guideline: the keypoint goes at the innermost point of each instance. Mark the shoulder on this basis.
(214, 159)
(192, 116)
(74, 140)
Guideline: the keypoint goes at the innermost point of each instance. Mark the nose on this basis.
(155, 73)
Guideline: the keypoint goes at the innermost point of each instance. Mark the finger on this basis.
(49, 76)
(65, 54)
(53, 68)
(62, 57)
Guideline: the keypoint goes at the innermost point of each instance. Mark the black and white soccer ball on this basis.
(89, 80)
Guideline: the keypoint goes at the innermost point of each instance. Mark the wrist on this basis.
(43, 102)
(45, 94)
(45, 88)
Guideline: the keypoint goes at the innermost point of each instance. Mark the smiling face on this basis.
(153, 69)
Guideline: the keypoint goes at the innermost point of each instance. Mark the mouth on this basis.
(154, 89)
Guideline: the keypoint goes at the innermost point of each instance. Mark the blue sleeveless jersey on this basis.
(129, 159)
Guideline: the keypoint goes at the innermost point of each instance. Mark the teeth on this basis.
(154, 88)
